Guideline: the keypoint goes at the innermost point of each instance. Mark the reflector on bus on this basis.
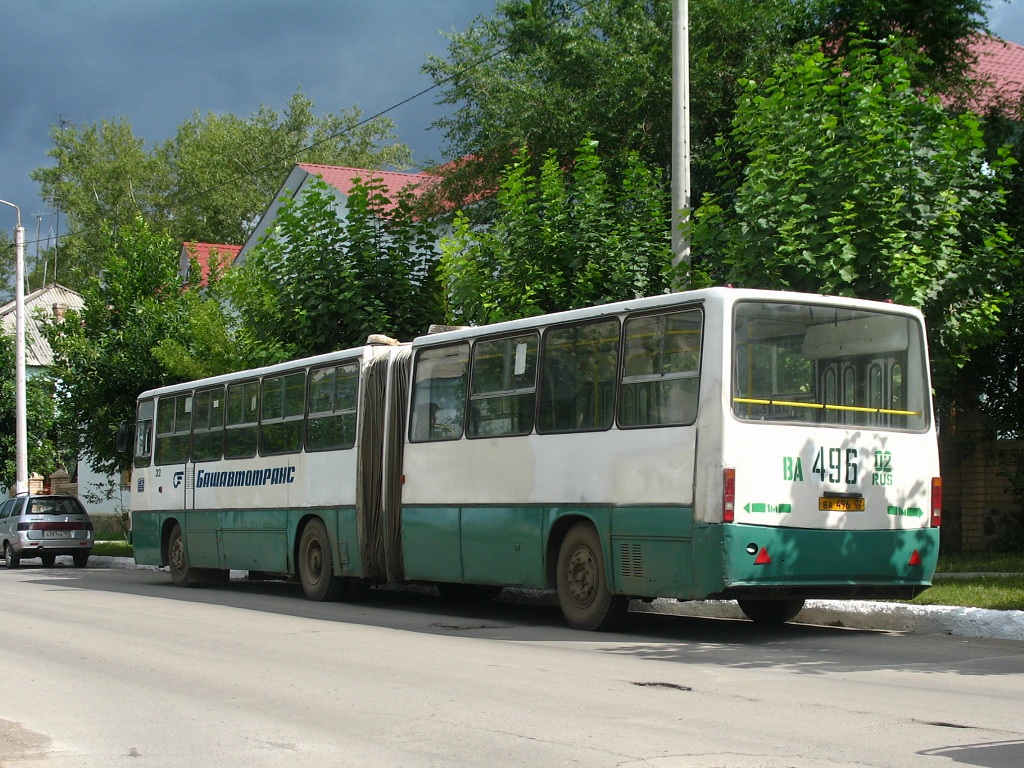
(728, 495)
(936, 502)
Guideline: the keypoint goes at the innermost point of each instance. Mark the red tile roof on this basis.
(203, 254)
(343, 179)
(1001, 66)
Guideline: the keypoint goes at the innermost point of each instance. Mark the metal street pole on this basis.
(20, 418)
(681, 138)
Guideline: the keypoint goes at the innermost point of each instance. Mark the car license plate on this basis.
(56, 534)
(831, 504)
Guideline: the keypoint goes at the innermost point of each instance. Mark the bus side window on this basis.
(284, 406)
(439, 393)
(208, 428)
(144, 434)
(503, 387)
(241, 420)
(173, 429)
(333, 396)
(661, 368)
(579, 372)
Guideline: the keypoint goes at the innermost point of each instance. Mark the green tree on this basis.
(7, 267)
(105, 354)
(560, 241)
(209, 183)
(226, 170)
(542, 74)
(942, 29)
(41, 433)
(854, 183)
(325, 280)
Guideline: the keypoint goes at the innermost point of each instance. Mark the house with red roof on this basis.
(341, 181)
(207, 256)
(1000, 67)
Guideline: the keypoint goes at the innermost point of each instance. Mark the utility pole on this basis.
(20, 419)
(681, 140)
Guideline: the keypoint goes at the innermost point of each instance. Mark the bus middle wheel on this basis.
(316, 564)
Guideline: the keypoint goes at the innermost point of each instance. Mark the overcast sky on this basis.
(156, 62)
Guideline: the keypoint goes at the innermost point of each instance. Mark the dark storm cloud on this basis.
(156, 63)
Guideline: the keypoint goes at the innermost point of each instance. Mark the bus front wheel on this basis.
(583, 593)
(177, 558)
(771, 612)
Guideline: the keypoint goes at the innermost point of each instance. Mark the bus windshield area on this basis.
(828, 365)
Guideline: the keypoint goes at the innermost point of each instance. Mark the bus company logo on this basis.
(141, 485)
(245, 478)
(178, 477)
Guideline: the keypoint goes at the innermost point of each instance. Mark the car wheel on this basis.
(48, 560)
(11, 560)
(81, 559)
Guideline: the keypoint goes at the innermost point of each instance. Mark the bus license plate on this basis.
(829, 504)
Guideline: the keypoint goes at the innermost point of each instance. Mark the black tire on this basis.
(587, 602)
(177, 558)
(772, 612)
(316, 564)
(11, 560)
(48, 560)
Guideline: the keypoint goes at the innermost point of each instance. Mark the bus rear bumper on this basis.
(764, 562)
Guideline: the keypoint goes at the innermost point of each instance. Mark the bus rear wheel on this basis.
(772, 612)
(583, 593)
(316, 565)
(177, 558)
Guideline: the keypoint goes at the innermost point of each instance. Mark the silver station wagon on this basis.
(45, 526)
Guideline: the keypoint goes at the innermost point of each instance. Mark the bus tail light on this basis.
(728, 495)
(936, 502)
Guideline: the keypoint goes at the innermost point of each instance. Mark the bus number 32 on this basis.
(833, 466)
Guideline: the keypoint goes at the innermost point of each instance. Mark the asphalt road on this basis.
(106, 667)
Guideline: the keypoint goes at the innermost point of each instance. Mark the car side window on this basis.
(5, 511)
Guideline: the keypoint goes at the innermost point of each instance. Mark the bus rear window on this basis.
(828, 365)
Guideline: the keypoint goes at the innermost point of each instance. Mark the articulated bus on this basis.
(716, 444)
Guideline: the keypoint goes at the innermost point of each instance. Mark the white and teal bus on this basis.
(716, 444)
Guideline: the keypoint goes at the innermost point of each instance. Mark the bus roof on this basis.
(355, 353)
(719, 296)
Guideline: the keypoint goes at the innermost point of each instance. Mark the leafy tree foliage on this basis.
(942, 30)
(106, 353)
(996, 386)
(324, 281)
(854, 184)
(560, 240)
(7, 267)
(545, 73)
(209, 183)
(39, 420)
